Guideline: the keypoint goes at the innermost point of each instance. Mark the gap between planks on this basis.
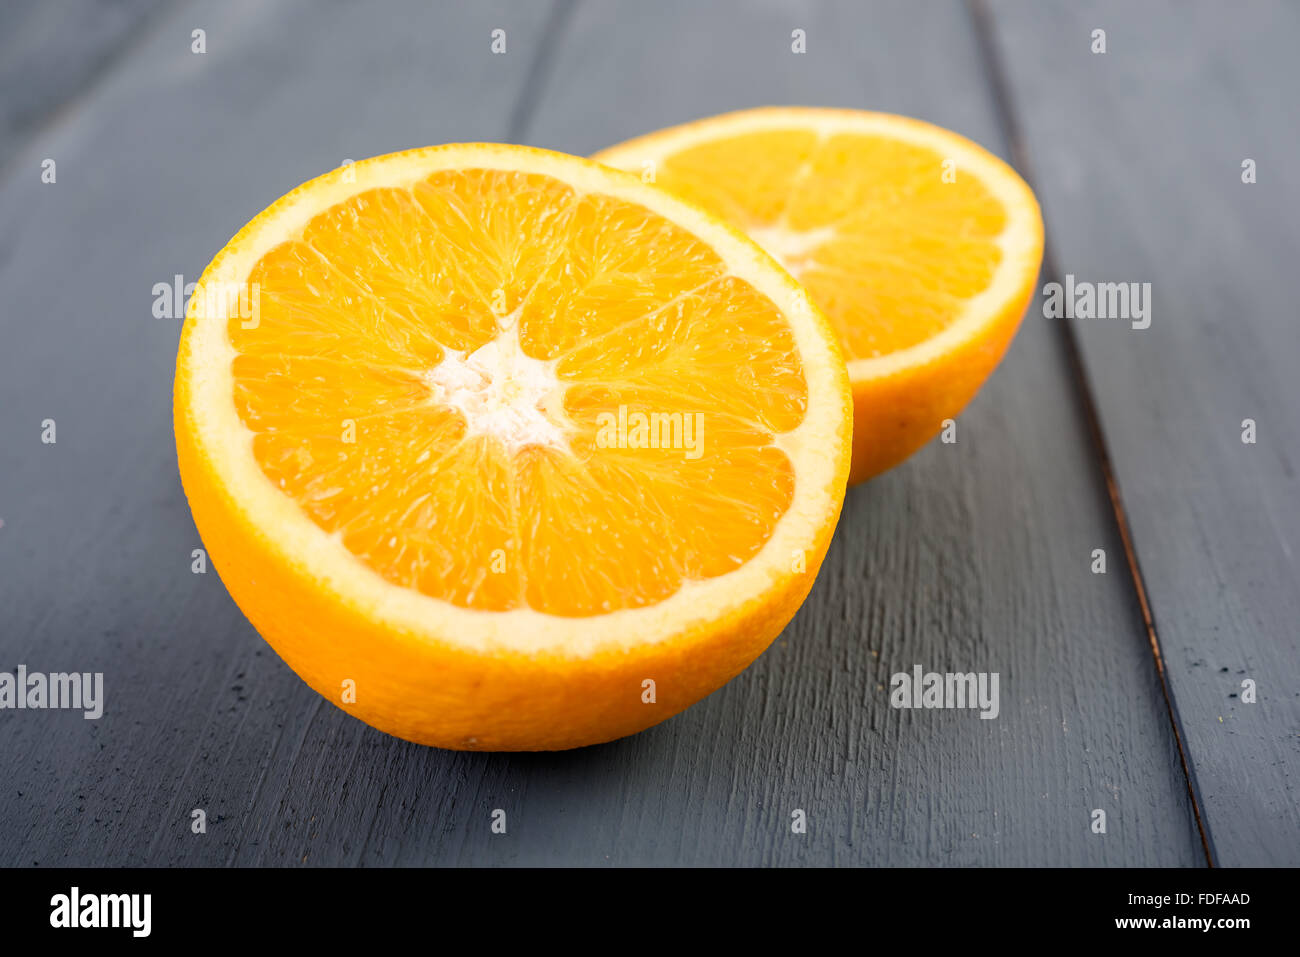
(981, 18)
(539, 69)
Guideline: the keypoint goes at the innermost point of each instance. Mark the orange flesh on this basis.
(887, 245)
(434, 372)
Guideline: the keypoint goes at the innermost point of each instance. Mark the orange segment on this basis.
(921, 248)
(509, 434)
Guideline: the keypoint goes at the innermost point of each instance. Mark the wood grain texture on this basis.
(1137, 155)
(972, 556)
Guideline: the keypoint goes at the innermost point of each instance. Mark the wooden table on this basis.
(1121, 691)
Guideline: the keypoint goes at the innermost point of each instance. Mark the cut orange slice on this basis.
(503, 449)
(922, 248)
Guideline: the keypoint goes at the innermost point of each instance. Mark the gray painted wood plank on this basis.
(156, 170)
(972, 556)
(1137, 154)
(50, 52)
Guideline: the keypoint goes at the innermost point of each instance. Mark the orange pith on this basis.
(339, 384)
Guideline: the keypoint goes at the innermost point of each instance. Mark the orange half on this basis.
(503, 449)
(921, 247)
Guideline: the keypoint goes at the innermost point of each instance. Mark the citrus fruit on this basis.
(921, 247)
(503, 449)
